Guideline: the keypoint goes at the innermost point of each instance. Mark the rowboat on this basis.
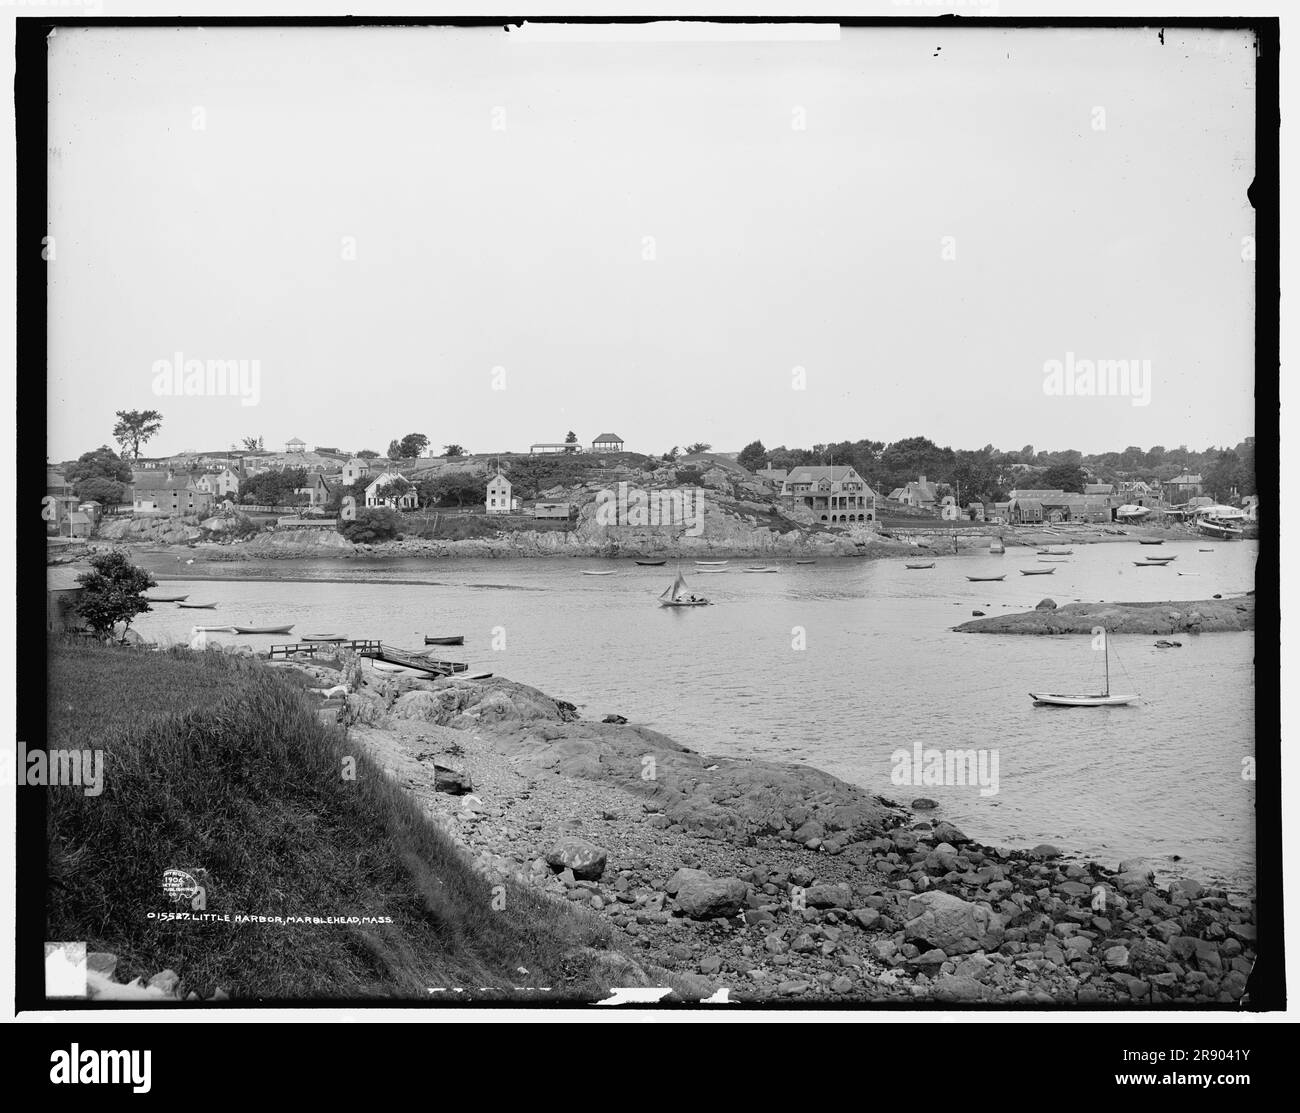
(475, 676)
(1205, 550)
(1161, 560)
(402, 670)
(986, 579)
(165, 598)
(1053, 560)
(709, 563)
(651, 563)
(324, 637)
(587, 573)
(1149, 541)
(760, 570)
(1102, 699)
(262, 629)
(449, 639)
(198, 606)
(711, 571)
(677, 596)
(1056, 552)
(805, 562)
(915, 566)
(1037, 571)
(1150, 564)
(215, 629)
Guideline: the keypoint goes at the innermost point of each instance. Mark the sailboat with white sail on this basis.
(678, 595)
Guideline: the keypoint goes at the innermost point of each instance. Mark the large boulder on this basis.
(951, 924)
(585, 859)
(1045, 605)
(707, 899)
(682, 876)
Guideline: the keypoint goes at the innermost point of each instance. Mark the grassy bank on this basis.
(213, 763)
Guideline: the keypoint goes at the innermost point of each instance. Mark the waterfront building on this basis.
(407, 501)
(607, 442)
(498, 499)
(836, 495)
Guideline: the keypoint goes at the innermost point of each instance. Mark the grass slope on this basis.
(214, 763)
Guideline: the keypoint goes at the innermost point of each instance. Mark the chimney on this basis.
(922, 480)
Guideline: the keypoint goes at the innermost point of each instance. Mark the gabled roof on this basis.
(150, 481)
(897, 493)
(608, 437)
(810, 474)
(1028, 504)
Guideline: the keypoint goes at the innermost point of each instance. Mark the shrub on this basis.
(374, 523)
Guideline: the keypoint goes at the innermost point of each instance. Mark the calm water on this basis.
(879, 670)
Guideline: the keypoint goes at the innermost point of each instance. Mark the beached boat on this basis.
(651, 563)
(474, 676)
(585, 572)
(1037, 571)
(324, 637)
(165, 598)
(447, 639)
(198, 606)
(919, 566)
(986, 579)
(1221, 530)
(402, 670)
(1104, 698)
(678, 596)
(262, 629)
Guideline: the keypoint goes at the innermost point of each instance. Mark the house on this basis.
(498, 499)
(318, 490)
(1024, 511)
(920, 494)
(1183, 487)
(182, 496)
(772, 475)
(295, 447)
(407, 501)
(144, 485)
(56, 483)
(62, 595)
(607, 442)
(355, 469)
(836, 495)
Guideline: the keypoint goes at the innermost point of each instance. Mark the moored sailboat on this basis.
(1104, 698)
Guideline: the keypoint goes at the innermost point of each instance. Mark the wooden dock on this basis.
(365, 647)
(372, 648)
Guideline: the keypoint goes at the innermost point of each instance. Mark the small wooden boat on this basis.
(1101, 699)
(918, 566)
(677, 595)
(262, 629)
(1056, 552)
(760, 569)
(986, 579)
(585, 572)
(711, 571)
(1149, 564)
(1053, 560)
(449, 639)
(1161, 560)
(324, 637)
(474, 676)
(165, 598)
(215, 629)
(1037, 571)
(402, 670)
(198, 606)
(709, 563)
(805, 562)
(648, 564)
(1149, 541)
(1205, 550)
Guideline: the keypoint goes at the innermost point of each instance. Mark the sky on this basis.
(493, 239)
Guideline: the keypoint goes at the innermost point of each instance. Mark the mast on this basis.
(1106, 642)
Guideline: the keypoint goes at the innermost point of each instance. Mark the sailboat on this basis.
(1105, 698)
(678, 596)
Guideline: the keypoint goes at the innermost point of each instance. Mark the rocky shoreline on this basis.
(1203, 616)
(761, 882)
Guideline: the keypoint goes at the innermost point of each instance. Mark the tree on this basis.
(367, 454)
(109, 492)
(102, 463)
(274, 488)
(458, 486)
(410, 447)
(698, 446)
(394, 489)
(753, 456)
(112, 592)
(253, 444)
(1223, 477)
(571, 437)
(453, 450)
(672, 454)
(372, 523)
(1064, 477)
(134, 428)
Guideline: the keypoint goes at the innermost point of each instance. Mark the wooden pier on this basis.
(372, 648)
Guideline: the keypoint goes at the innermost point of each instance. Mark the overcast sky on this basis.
(641, 238)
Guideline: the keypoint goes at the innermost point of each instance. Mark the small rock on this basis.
(924, 803)
(586, 860)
